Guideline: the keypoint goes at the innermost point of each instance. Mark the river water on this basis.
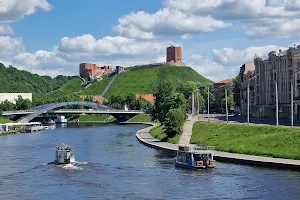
(114, 165)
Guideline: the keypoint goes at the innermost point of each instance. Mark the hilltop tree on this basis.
(23, 104)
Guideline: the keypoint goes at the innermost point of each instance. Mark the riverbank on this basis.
(267, 141)
(145, 138)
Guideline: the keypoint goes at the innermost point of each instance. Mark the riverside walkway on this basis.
(145, 138)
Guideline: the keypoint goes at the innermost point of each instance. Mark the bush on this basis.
(174, 121)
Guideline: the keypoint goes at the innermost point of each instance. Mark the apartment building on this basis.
(277, 68)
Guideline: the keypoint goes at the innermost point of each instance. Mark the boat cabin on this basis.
(195, 157)
(64, 155)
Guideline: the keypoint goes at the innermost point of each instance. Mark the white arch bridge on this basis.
(97, 109)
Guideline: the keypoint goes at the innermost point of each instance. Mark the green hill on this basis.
(137, 80)
(143, 81)
(14, 80)
(74, 87)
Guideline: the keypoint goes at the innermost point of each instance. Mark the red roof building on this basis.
(221, 83)
(148, 97)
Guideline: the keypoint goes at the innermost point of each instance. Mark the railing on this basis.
(196, 148)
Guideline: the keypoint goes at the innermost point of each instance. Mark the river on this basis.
(114, 165)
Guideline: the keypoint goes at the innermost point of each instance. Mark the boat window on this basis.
(197, 157)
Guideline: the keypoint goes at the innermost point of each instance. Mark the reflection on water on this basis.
(113, 165)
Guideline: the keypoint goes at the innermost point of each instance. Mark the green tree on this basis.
(186, 89)
(116, 101)
(7, 106)
(89, 98)
(230, 99)
(23, 104)
(174, 121)
(236, 90)
(161, 106)
(131, 102)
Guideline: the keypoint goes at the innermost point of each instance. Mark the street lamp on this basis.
(292, 99)
(226, 104)
(248, 98)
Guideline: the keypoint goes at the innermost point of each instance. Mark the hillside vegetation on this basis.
(138, 81)
(14, 80)
(74, 87)
(143, 81)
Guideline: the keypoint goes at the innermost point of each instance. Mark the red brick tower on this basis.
(174, 53)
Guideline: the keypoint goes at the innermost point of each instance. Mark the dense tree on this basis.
(162, 105)
(186, 89)
(174, 121)
(23, 104)
(203, 90)
(7, 105)
(116, 101)
(230, 99)
(14, 80)
(236, 90)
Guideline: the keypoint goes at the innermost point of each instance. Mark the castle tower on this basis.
(175, 54)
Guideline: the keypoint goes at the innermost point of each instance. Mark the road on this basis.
(241, 119)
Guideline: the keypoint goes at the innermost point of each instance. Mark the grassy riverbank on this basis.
(158, 133)
(271, 141)
(141, 118)
(4, 120)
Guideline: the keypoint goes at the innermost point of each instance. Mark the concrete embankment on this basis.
(145, 138)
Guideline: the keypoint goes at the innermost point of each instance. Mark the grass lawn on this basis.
(4, 120)
(158, 133)
(141, 118)
(143, 81)
(74, 87)
(271, 141)
(93, 118)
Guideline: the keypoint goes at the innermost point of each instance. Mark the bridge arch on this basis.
(47, 107)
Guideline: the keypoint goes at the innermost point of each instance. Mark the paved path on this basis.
(144, 137)
(186, 135)
(107, 87)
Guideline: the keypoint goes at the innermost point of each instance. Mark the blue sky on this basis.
(53, 36)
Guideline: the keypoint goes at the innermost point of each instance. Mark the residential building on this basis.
(278, 69)
(219, 85)
(12, 97)
(246, 73)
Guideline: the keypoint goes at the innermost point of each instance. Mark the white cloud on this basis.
(6, 29)
(237, 9)
(258, 18)
(88, 47)
(166, 22)
(13, 10)
(9, 46)
(273, 28)
(237, 57)
(211, 69)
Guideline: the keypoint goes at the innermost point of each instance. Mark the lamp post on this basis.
(248, 98)
(292, 99)
(208, 102)
(276, 93)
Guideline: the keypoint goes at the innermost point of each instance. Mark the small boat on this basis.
(64, 155)
(194, 157)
